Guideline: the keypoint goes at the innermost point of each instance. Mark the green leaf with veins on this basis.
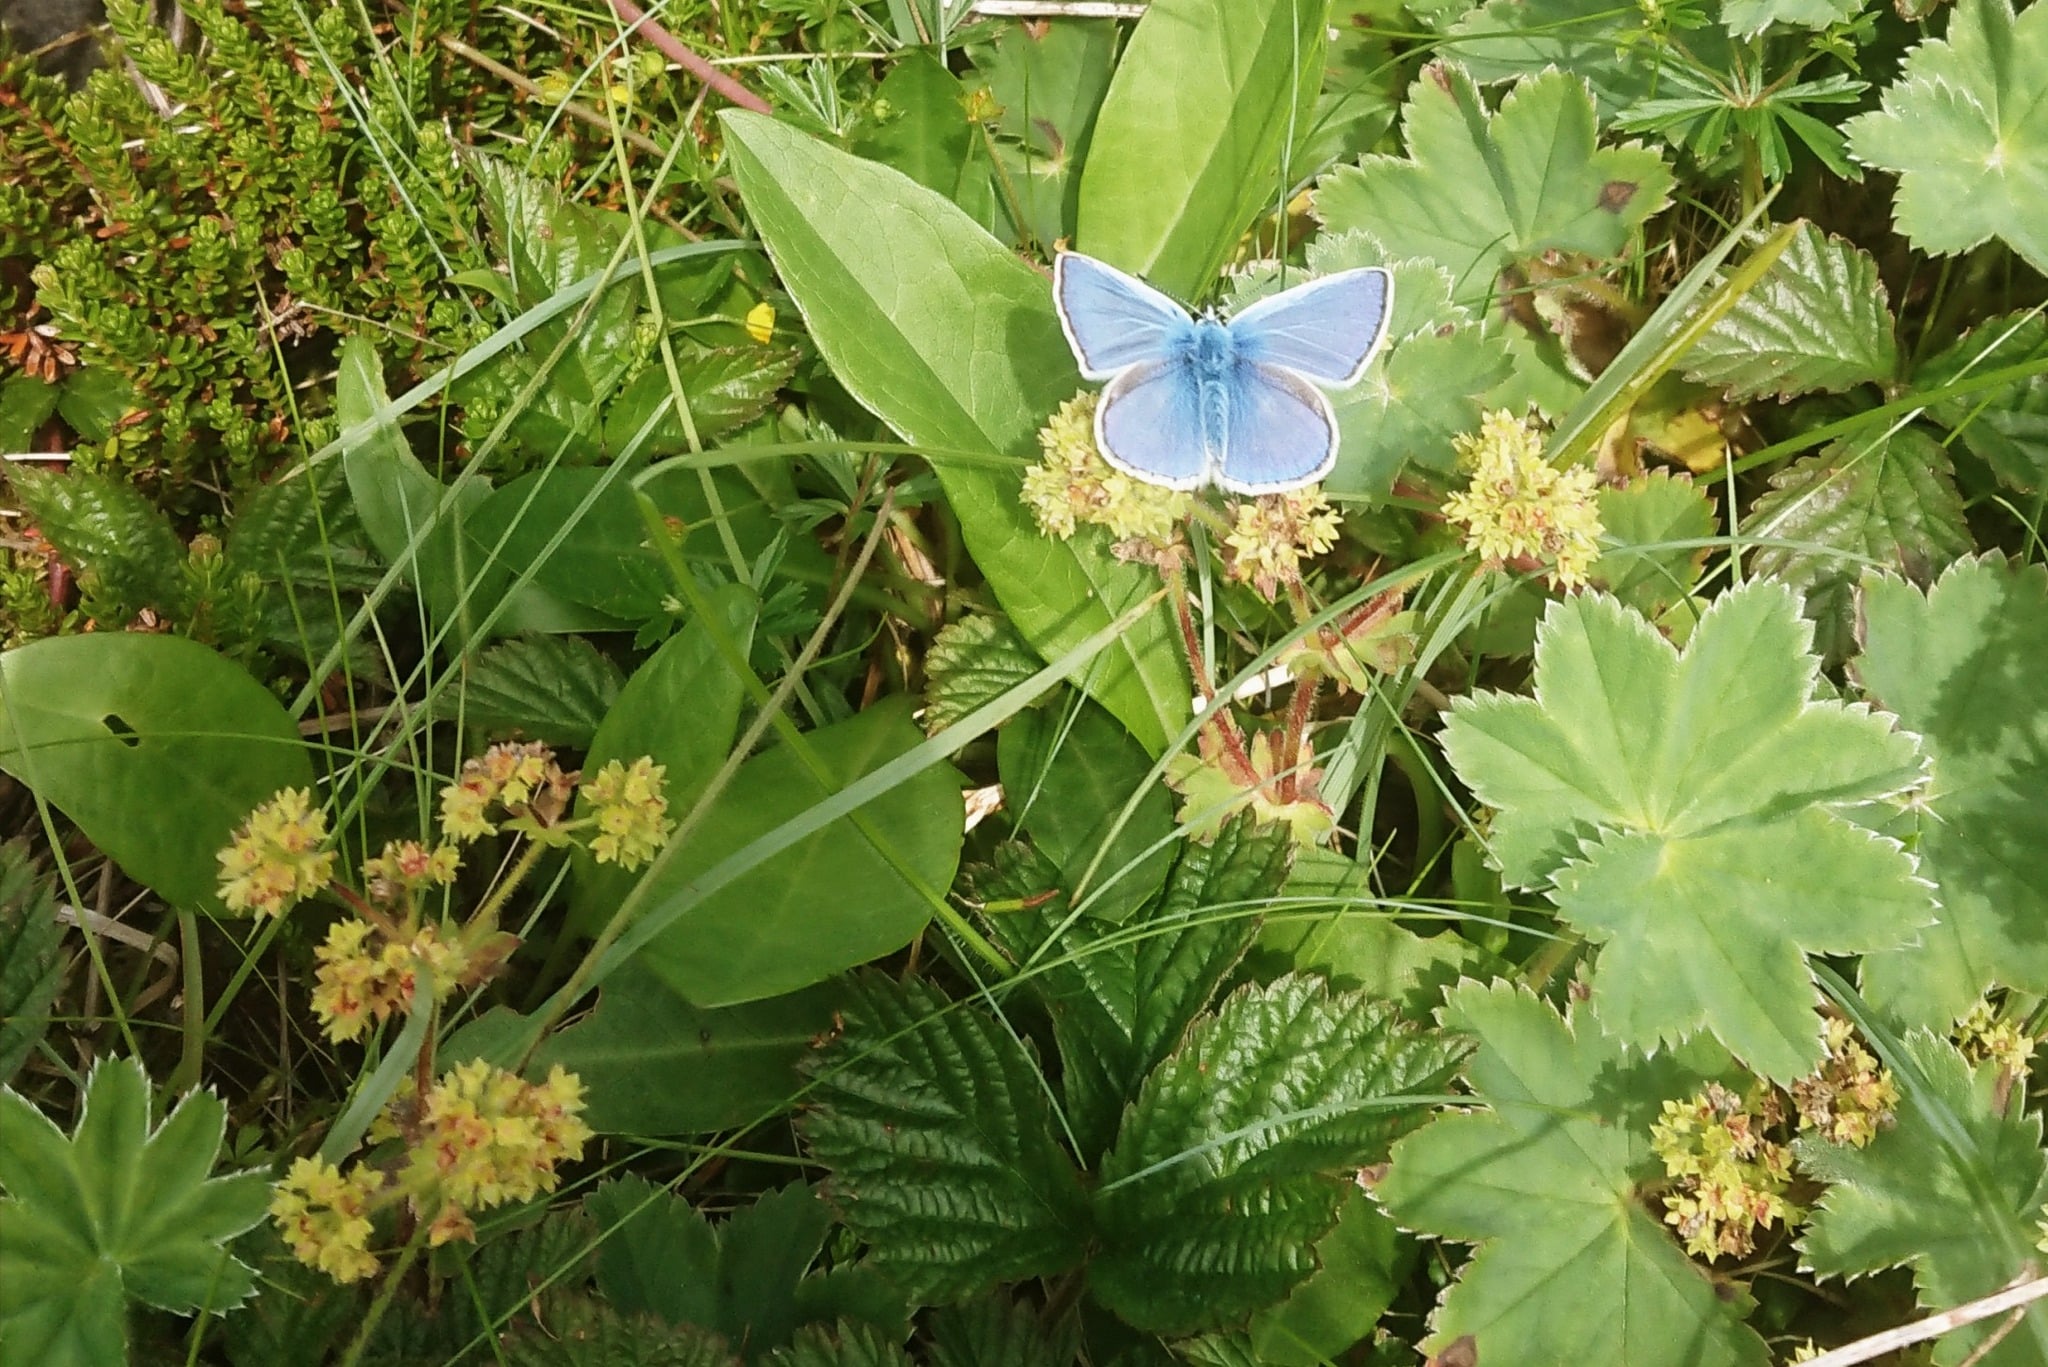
(2007, 427)
(1748, 18)
(1683, 809)
(31, 954)
(1571, 1266)
(1966, 131)
(935, 1124)
(1644, 559)
(1962, 665)
(1235, 1157)
(1909, 1197)
(1891, 499)
(1478, 190)
(1613, 48)
(1816, 322)
(995, 1331)
(115, 1212)
(972, 662)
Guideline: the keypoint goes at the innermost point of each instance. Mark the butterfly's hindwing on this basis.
(1150, 425)
(1280, 432)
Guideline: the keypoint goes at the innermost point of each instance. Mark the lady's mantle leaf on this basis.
(1237, 1153)
(936, 1126)
(1966, 131)
(1889, 498)
(1478, 190)
(1658, 530)
(113, 1213)
(1962, 665)
(1817, 321)
(1907, 1197)
(1571, 1267)
(1682, 807)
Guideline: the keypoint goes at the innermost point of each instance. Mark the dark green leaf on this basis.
(123, 549)
(2006, 428)
(849, 1345)
(831, 901)
(1235, 1157)
(590, 1333)
(935, 1125)
(963, 356)
(156, 746)
(726, 387)
(1188, 142)
(917, 123)
(995, 1331)
(971, 662)
(1360, 1267)
(554, 687)
(26, 403)
(31, 955)
(1358, 944)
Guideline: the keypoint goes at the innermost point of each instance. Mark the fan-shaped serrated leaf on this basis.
(1962, 664)
(1122, 997)
(935, 1124)
(1817, 322)
(1637, 777)
(972, 662)
(1966, 132)
(1645, 559)
(554, 687)
(31, 958)
(1602, 44)
(1571, 1268)
(1891, 499)
(2007, 427)
(1477, 190)
(122, 548)
(116, 1211)
(1235, 1157)
(1954, 1188)
(1747, 18)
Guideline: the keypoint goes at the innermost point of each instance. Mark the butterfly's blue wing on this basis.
(1326, 329)
(1114, 321)
(1150, 425)
(1280, 433)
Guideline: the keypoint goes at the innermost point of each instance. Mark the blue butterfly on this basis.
(1193, 401)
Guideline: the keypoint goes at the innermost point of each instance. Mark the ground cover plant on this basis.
(597, 768)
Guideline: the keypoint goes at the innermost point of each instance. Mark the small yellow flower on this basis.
(275, 860)
(761, 322)
(1073, 486)
(630, 811)
(462, 810)
(1519, 507)
(1272, 535)
(486, 1136)
(1848, 1099)
(407, 865)
(1728, 1178)
(359, 981)
(510, 774)
(325, 1217)
(1986, 1039)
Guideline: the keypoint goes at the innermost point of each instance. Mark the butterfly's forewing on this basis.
(1114, 321)
(1281, 433)
(1326, 329)
(1149, 425)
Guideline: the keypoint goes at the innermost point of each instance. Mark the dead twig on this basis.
(636, 20)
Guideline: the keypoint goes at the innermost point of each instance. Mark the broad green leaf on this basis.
(555, 687)
(1121, 998)
(942, 332)
(1747, 18)
(1235, 1157)
(1188, 142)
(1905, 1200)
(1816, 322)
(2006, 428)
(126, 556)
(1639, 564)
(1890, 498)
(1361, 1265)
(681, 709)
(971, 662)
(1685, 810)
(654, 1064)
(934, 1123)
(1331, 924)
(156, 746)
(1966, 133)
(1048, 80)
(1067, 776)
(31, 955)
(1571, 1267)
(830, 901)
(1477, 190)
(917, 122)
(117, 1211)
(1961, 665)
(995, 1331)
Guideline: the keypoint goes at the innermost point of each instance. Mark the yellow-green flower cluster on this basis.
(630, 810)
(1848, 1099)
(325, 1217)
(510, 775)
(1728, 1179)
(1986, 1039)
(364, 976)
(1072, 485)
(487, 1136)
(1230, 775)
(1518, 507)
(277, 859)
(407, 866)
(1271, 536)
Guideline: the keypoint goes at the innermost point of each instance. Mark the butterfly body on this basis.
(1206, 400)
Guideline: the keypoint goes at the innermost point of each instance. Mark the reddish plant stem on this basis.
(1224, 727)
(635, 19)
(1302, 707)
